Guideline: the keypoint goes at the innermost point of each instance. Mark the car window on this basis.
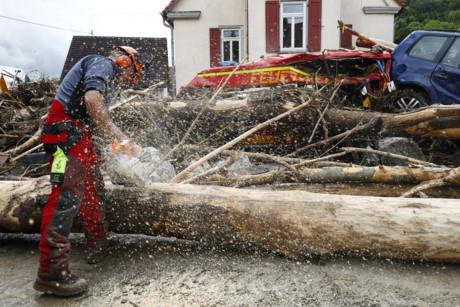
(452, 57)
(428, 47)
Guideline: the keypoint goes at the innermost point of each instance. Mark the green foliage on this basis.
(427, 15)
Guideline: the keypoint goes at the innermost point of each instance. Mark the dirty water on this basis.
(147, 271)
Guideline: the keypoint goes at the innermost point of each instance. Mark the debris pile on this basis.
(22, 109)
(300, 135)
(283, 134)
(237, 167)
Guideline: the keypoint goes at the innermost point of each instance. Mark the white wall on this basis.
(192, 51)
(374, 25)
(330, 35)
(257, 44)
(379, 26)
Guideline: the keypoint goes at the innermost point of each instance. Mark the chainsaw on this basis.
(126, 147)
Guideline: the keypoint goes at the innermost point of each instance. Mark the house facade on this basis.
(209, 33)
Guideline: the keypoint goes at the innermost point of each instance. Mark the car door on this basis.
(416, 58)
(446, 76)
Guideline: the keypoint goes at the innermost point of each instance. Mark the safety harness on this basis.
(60, 149)
(74, 135)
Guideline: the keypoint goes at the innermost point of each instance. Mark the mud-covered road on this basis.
(145, 271)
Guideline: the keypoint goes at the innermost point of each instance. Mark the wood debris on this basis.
(296, 137)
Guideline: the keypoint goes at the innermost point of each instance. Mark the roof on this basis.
(173, 3)
(152, 51)
(170, 6)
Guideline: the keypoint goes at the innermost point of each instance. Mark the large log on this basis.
(377, 174)
(20, 203)
(434, 121)
(292, 223)
(226, 121)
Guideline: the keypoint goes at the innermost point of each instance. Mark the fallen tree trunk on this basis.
(433, 121)
(377, 174)
(20, 203)
(229, 120)
(292, 223)
(452, 178)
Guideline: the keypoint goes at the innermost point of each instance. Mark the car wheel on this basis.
(409, 99)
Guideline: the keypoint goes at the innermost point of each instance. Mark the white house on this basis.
(208, 33)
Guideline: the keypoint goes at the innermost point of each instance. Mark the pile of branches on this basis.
(319, 146)
(314, 140)
(286, 136)
(22, 110)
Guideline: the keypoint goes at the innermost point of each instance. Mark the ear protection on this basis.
(127, 59)
(123, 61)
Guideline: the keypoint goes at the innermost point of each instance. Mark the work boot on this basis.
(68, 285)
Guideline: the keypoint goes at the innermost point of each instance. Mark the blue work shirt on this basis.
(93, 72)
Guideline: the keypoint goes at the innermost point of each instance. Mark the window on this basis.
(452, 57)
(231, 45)
(428, 47)
(293, 26)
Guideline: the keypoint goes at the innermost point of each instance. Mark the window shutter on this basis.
(214, 45)
(314, 25)
(272, 26)
(346, 38)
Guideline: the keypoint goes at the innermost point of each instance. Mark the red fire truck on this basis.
(360, 72)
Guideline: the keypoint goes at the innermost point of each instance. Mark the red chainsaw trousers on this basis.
(78, 194)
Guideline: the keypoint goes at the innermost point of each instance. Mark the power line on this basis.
(45, 25)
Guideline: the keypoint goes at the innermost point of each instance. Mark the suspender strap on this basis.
(56, 128)
(74, 135)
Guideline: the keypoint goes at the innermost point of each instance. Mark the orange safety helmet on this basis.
(127, 59)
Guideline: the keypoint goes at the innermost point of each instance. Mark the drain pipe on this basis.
(167, 23)
(247, 30)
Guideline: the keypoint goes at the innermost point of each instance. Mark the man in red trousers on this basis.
(80, 106)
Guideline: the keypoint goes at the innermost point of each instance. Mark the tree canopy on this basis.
(427, 15)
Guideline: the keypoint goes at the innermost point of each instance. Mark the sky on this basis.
(33, 47)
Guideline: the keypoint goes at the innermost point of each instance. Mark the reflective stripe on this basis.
(251, 71)
(59, 161)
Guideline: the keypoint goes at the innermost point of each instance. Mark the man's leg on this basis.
(92, 215)
(63, 204)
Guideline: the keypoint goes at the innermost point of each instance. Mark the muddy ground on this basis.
(146, 271)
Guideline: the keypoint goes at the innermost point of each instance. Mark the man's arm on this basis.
(96, 110)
